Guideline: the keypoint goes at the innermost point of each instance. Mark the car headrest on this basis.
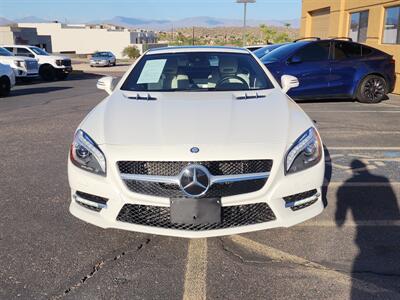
(228, 65)
(171, 67)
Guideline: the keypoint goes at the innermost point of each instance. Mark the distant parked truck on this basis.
(51, 67)
(7, 79)
(23, 67)
(103, 59)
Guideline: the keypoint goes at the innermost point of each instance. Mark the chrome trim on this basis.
(88, 202)
(213, 179)
(302, 201)
(239, 177)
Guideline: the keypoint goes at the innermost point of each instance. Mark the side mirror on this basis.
(107, 84)
(295, 59)
(288, 82)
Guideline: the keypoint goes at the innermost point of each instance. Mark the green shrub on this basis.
(131, 51)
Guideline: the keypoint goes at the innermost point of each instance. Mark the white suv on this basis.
(7, 79)
(23, 67)
(50, 66)
(196, 142)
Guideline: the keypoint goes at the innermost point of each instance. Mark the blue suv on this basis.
(334, 68)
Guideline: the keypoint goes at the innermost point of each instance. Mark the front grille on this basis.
(31, 65)
(215, 191)
(232, 216)
(173, 168)
(301, 196)
(66, 62)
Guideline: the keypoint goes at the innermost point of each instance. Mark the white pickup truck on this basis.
(7, 79)
(50, 66)
(24, 68)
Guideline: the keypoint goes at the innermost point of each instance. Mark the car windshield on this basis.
(5, 52)
(282, 52)
(101, 54)
(38, 51)
(197, 71)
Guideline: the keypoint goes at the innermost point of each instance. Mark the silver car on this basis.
(103, 59)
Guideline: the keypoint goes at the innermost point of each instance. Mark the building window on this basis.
(391, 32)
(359, 26)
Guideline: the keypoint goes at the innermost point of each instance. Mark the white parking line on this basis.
(363, 148)
(353, 111)
(365, 223)
(336, 184)
(196, 270)
(314, 268)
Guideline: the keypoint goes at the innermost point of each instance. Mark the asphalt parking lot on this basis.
(350, 251)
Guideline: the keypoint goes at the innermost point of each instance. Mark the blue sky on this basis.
(86, 10)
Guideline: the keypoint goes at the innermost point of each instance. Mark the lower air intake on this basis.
(232, 216)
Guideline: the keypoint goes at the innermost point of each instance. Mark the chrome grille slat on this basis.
(228, 178)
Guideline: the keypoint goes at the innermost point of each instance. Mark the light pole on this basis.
(244, 16)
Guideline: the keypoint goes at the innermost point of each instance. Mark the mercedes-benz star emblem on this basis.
(194, 180)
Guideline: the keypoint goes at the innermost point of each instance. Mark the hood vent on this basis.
(147, 97)
(251, 96)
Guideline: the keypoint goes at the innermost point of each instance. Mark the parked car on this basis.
(24, 68)
(103, 59)
(7, 79)
(260, 53)
(334, 68)
(51, 67)
(196, 142)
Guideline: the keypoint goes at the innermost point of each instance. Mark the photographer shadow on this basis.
(375, 210)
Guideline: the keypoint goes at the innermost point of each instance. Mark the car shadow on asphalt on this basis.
(38, 90)
(334, 100)
(375, 211)
(72, 77)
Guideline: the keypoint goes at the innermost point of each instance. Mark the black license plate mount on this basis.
(195, 211)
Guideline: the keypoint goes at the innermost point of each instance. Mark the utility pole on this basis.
(193, 36)
(244, 16)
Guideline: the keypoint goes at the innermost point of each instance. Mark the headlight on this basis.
(305, 152)
(86, 155)
(59, 62)
(19, 63)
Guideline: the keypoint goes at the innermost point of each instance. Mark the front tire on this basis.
(47, 73)
(373, 89)
(5, 86)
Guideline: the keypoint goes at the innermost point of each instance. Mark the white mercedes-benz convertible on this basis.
(196, 142)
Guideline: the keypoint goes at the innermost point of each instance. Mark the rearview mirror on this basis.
(288, 82)
(107, 84)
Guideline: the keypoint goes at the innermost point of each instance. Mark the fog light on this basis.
(301, 200)
(95, 202)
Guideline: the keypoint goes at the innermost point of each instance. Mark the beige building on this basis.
(79, 38)
(373, 22)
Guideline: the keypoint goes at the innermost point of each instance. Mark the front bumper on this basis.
(23, 73)
(99, 63)
(277, 187)
(64, 69)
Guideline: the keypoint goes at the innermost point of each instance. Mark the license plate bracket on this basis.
(195, 211)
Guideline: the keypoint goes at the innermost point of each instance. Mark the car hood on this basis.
(100, 58)
(218, 123)
(12, 58)
(51, 58)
